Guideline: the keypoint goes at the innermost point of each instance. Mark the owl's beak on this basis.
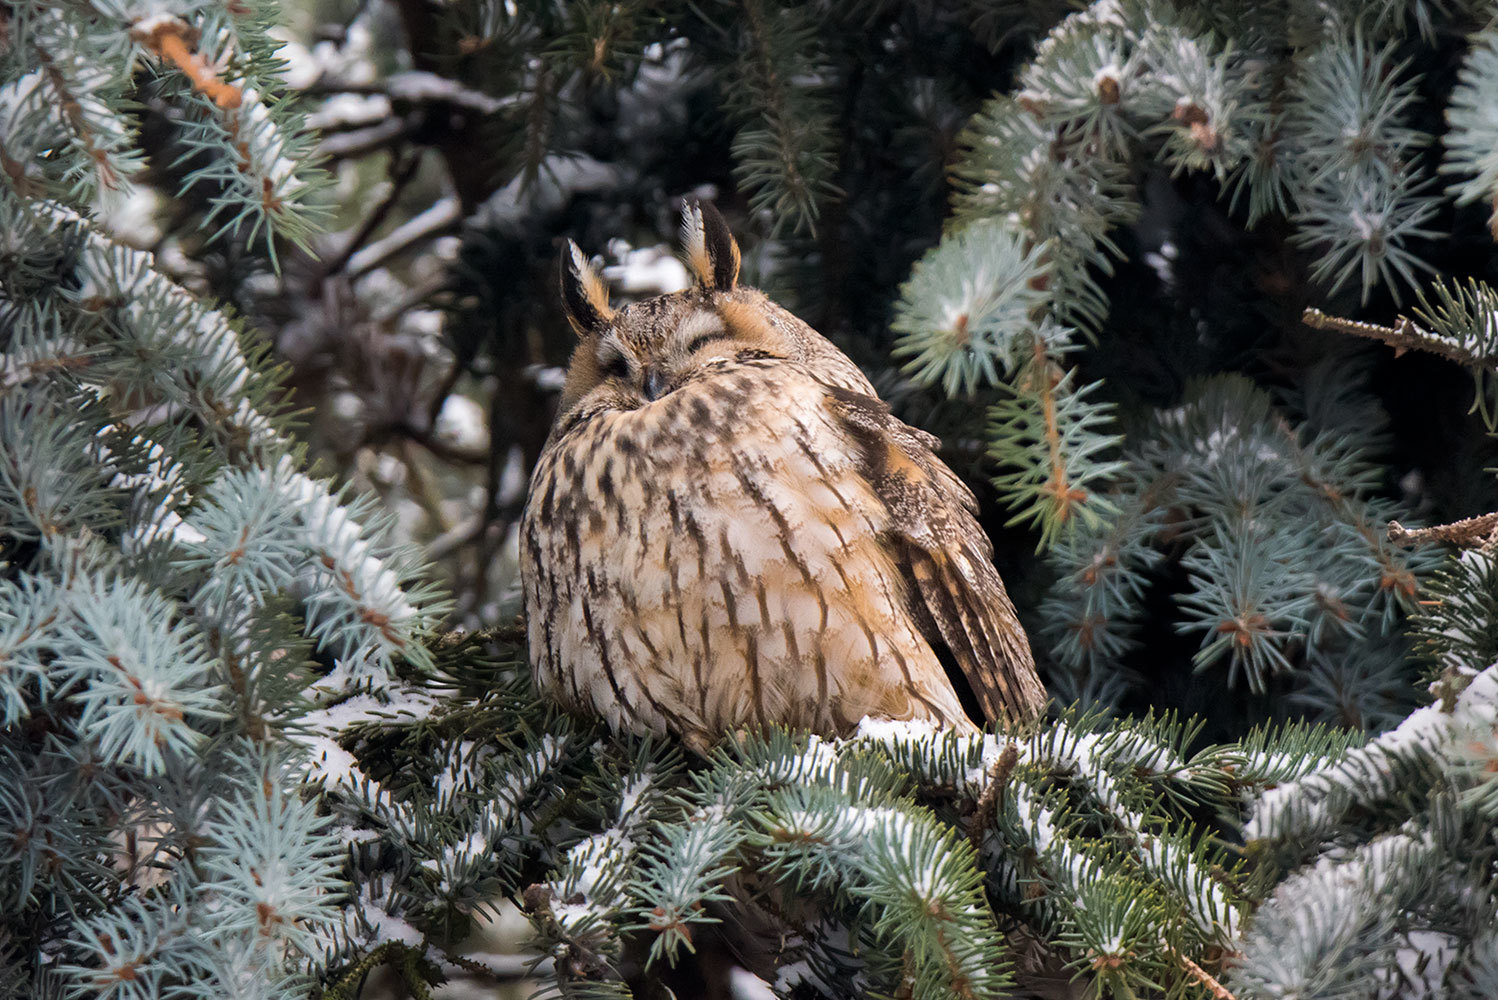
(655, 384)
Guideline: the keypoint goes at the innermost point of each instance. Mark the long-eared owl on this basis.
(728, 529)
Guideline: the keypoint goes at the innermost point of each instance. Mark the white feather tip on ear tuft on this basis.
(694, 243)
(580, 263)
(584, 293)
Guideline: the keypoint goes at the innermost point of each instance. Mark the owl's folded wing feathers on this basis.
(956, 591)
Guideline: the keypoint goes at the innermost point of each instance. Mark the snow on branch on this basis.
(1407, 757)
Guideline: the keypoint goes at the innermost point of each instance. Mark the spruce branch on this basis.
(1454, 628)
(1008, 172)
(1091, 612)
(138, 420)
(261, 179)
(132, 311)
(1363, 228)
(1405, 336)
(1406, 758)
(966, 316)
(867, 831)
(84, 67)
(1216, 471)
(100, 159)
(784, 148)
(1200, 99)
(1052, 436)
(151, 497)
(1359, 197)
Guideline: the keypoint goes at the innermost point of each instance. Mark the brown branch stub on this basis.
(988, 801)
(536, 899)
(1109, 91)
(1468, 533)
(1198, 124)
(15, 170)
(1404, 336)
(174, 40)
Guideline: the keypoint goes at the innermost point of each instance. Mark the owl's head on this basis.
(633, 356)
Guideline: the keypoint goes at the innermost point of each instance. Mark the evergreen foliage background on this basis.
(278, 346)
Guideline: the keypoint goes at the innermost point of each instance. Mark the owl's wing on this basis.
(948, 559)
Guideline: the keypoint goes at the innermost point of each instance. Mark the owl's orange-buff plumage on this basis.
(727, 529)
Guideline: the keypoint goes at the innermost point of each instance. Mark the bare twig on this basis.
(326, 85)
(496, 968)
(402, 176)
(1468, 533)
(421, 87)
(1219, 991)
(421, 490)
(462, 535)
(338, 33)
(349, 145)
(446, 450)
(439, 282)
(441, 217)
(1406, 336)
(415, 87)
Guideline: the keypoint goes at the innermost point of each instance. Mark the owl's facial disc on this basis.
(634, 372)
(701, 343)
(650, 349)
(657, 364)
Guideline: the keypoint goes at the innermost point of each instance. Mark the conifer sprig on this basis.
(1219, 470)
(784, 151)
(167, 568)
(1408, 871)
(1470, 141)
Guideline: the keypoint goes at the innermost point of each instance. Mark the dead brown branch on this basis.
(1468, 533)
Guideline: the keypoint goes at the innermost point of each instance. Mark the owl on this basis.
(727, 529)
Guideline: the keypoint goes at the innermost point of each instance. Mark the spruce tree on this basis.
(1136, 263)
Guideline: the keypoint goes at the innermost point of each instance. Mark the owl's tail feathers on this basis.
(974, 618)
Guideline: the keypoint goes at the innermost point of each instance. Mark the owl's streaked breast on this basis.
(715, 560)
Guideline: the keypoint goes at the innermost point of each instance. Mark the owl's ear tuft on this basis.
(585, 298)
(712, 252)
